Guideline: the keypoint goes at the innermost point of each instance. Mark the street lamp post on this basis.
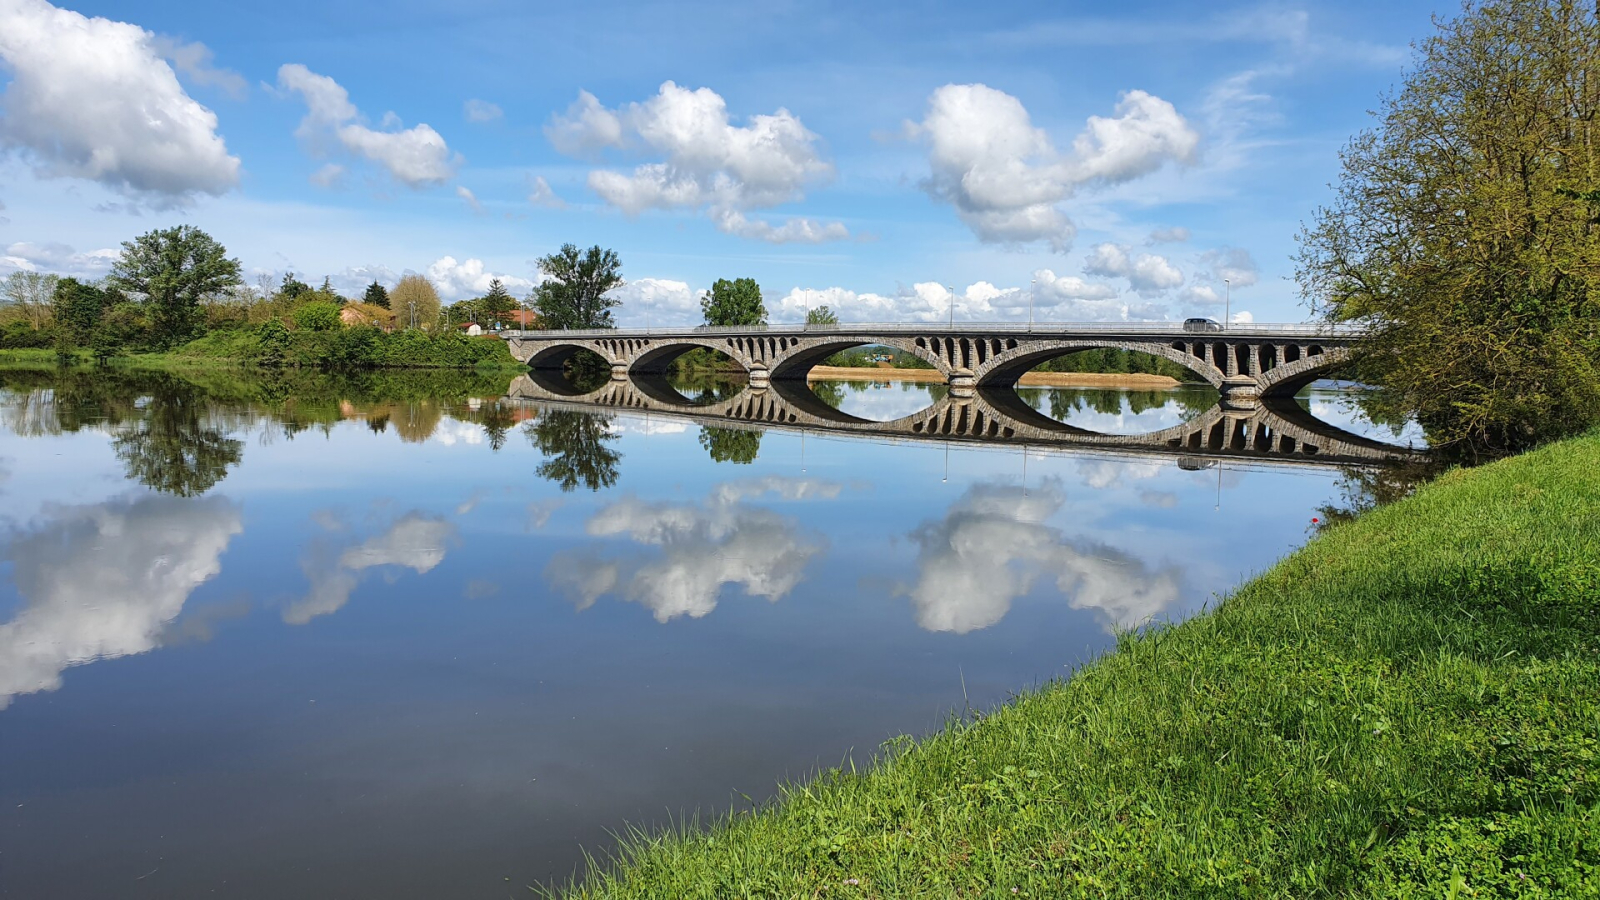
(1033, 286)
(1227, 309)
(952, 292)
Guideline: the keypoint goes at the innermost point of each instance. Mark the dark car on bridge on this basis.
(1201, 325)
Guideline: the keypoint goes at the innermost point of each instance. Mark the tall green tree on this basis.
(497, 302)
(78, 306)
(174, 268)
(1464, 230)
(575, 296)
(416, 303)
(821, 315)
(376, 294)
(736, 302)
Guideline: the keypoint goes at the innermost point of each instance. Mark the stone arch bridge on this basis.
(1244, 362)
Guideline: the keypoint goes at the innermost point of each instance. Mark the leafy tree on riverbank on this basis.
(415, 303)
(821, 315)
(736, 302)
(576, 294)
(1463, 230)
(173, 269)
(78, 305)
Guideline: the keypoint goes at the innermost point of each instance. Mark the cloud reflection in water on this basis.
(993, 545)
(415, 541)
(105, 581)
(703, 546)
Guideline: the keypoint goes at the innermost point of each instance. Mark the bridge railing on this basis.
(1237, 329)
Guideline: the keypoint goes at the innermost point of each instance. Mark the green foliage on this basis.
(736, 302)
(821, 315)
(415, 303)
(78, 306)
(1404, 708)
(730, 444)
(376, 294)
(318, 316)
(292, 287)
(576, 294)
(1113, 361)
(575, 447)
(174, 268)
(1463, 231)
(497, 302)
(23, 336)
(863, 358)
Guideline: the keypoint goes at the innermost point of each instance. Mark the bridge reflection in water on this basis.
(1270, 430)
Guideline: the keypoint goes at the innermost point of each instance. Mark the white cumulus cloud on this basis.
(93, 98)
(1005, 176)
(1148, 274)
(416, 156)
(469, 278)
(708, 161)
(60, 259)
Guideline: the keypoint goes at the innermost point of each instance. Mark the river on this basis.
(398, 636)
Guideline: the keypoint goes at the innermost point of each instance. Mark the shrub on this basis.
(317, 317)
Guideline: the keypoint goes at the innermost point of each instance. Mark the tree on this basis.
(78, 306)
(376, 295)
(574, 446)
(415, 303)
(730, 444)
(1464, 231)
(497, 302)
(292, 287)
(575, 296)
(821, 315)
(174, 268)
(30, 293)
(735, 302)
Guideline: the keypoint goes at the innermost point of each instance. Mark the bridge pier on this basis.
(1240, 392)
(619, 371)
(962, 383)
(760, 377)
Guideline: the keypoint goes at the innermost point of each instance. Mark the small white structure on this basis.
(473, 330)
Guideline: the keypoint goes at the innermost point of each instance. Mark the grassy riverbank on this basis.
(350, 348)
(1406, 707)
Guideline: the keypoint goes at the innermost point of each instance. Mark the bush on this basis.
(22, 336)
(360, 347)
(317, 317)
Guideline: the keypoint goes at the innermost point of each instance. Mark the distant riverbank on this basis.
(1133, 381)
(1403, 708)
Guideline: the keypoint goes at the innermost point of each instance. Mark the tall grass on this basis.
(1407, 707)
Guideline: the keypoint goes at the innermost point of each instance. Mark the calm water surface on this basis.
(394, 638)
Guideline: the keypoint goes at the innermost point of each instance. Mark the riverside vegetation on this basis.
(1405, 708)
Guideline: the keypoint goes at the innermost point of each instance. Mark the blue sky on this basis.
(1108, 161)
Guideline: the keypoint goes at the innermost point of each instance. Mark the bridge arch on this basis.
(656, 357)
(554, 355)
(1005, 369)
(797, 361)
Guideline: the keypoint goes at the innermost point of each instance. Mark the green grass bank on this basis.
(1409, 706)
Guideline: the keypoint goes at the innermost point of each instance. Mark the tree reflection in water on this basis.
(172, 448)
(730, 444)
(575, 448)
